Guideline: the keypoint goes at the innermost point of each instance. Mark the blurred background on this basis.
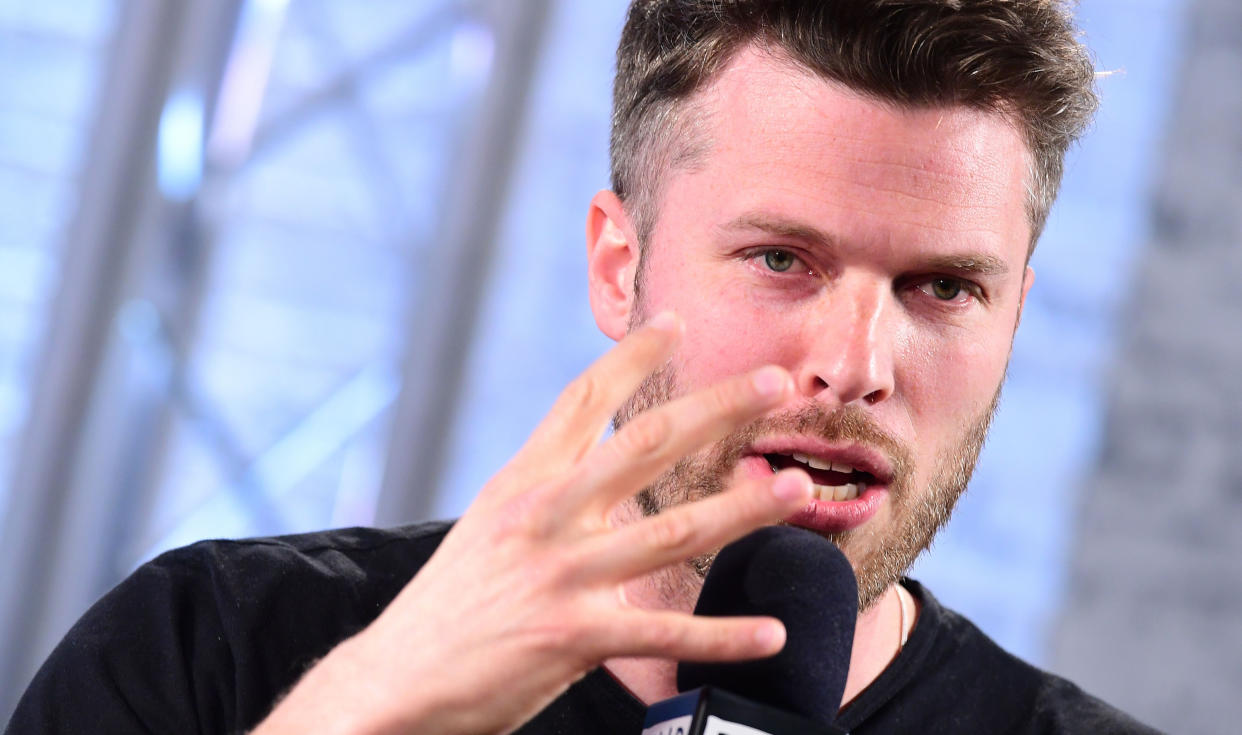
(269, 266)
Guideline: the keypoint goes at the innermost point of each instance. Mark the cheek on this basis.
(727, 334)
(949, 380)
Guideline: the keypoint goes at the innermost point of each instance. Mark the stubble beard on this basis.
(879, 558)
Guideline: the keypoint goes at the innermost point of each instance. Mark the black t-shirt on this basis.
(204, 639)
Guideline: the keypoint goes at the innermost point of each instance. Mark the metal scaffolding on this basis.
(126, 318)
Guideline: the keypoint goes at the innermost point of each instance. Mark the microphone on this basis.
(805, 581)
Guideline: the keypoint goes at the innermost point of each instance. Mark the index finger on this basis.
(581, 413)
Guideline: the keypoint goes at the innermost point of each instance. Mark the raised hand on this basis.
(525, 594)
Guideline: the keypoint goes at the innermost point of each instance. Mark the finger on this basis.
(692, 529)
(684, 637)
(581, 413)
(652, 442)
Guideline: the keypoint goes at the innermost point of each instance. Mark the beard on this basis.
(880, 557)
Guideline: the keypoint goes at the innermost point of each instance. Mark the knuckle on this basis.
(585, 636)
(583, 392)
(731, 397)
(645, 435)
(725, 640)
(664, 638)
(564, 635)
(524, 514)
(671, 532)
(751, 502)
(558, 571)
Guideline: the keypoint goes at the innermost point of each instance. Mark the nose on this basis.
(849, 346)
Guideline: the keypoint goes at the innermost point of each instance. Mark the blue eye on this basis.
(779, 260)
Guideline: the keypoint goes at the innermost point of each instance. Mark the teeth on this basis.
(819, 464)
(812, 461)
(839, 492)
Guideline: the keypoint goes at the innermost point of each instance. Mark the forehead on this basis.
(777, 136)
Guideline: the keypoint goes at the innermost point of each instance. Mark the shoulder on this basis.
(284, 601)
(952, 675)
(310, 548)
(347, 556)
(1033, 699)
(207, 636)
(345, 575)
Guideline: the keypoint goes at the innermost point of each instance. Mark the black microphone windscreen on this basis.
(805, 581)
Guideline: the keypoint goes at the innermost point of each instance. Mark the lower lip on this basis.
(826, 516)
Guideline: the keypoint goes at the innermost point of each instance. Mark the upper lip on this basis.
(861, 457)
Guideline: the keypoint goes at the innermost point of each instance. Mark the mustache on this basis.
(841, 424)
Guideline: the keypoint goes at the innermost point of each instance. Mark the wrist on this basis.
(353, 691)
(339, 695)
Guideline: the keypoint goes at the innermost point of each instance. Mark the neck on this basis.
(878, 637)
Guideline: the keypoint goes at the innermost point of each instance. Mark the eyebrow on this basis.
(780, 227)
(966, 264)
(971, 265)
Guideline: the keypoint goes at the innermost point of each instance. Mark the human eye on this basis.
(779, 260)
(949, 290)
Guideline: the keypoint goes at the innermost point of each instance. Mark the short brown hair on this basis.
(1019, 58)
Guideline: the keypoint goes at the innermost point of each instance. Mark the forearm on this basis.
(343, 694)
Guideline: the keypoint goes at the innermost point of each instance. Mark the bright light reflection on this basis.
(470, 53)
(179, 157)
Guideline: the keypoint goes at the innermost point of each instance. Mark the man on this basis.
(814, 258)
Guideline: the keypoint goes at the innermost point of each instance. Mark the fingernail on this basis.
(770, 636)
(770, 381)
(665, 321)
(791, 485)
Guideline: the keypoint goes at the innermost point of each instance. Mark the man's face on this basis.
(875, 252)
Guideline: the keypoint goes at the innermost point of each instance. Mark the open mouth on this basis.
(832, 480)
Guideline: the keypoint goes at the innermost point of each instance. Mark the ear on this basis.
(1028, 279)
(612, 264)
